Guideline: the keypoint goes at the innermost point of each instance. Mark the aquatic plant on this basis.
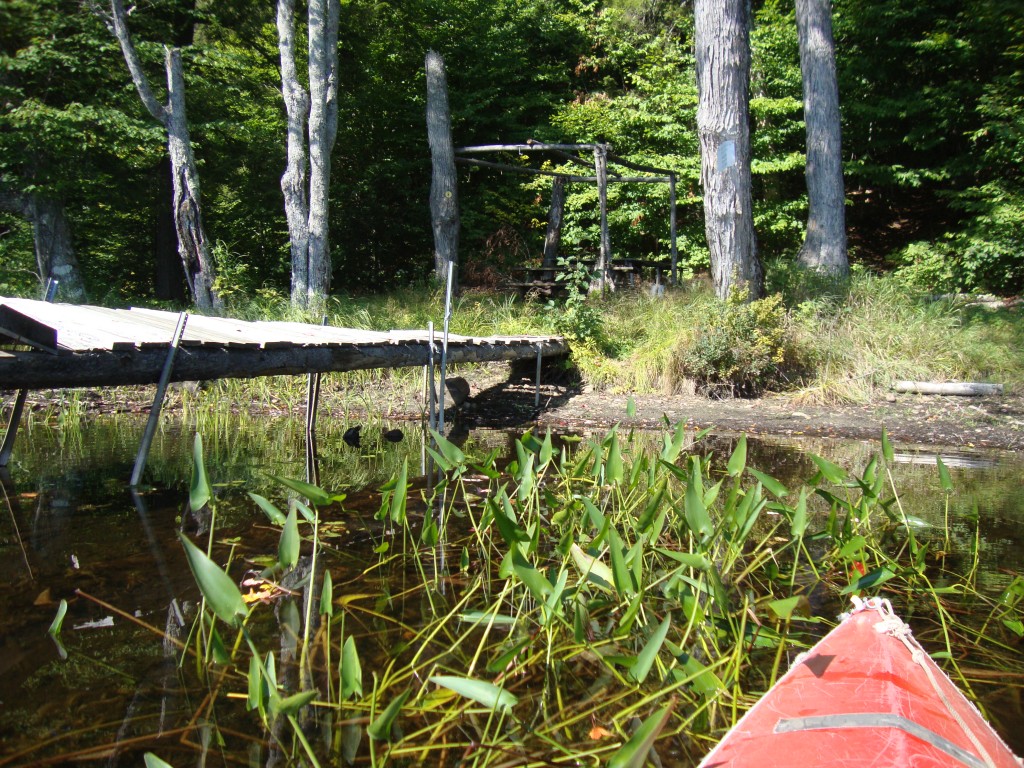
(583, 602)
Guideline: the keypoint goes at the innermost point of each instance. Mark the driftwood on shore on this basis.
(962, 388)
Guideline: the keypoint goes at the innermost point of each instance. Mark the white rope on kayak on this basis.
(894, 626)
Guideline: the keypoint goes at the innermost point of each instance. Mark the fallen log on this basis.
(962, 388)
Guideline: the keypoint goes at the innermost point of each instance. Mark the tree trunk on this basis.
(188, 222)
(188, 216)
(293, 182)
(723, 77)
(55, 256)
(824, 247)
(444, 197)
(603, 277)
(553, 236)
(323, 128)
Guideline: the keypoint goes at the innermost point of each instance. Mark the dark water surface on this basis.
(70, 528)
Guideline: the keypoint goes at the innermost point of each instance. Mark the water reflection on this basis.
(70, 528)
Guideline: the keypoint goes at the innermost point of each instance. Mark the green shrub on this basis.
(738, 347)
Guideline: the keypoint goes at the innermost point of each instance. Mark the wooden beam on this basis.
(35, 370)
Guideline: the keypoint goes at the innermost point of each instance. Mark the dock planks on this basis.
(76, 346)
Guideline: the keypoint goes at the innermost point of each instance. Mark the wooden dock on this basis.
(83, 346)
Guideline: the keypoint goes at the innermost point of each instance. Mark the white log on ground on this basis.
(962, 388)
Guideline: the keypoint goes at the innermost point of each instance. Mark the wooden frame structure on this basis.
(602, 157)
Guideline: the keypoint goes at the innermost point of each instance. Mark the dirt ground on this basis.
(500, 401)
(995, 422)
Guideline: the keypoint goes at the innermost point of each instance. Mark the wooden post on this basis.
(604, 259)
(553, 237)
(158, 403)
(672, 226)
(444, 198)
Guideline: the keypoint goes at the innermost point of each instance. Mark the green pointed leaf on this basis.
(221, 593)
(294, 703)
(633, 754)
(799, 522)
(480, 691)
(645, 659)
(613, 469)
(831, 472)
(327, 596)
(689, 559)
(380, 729)
(317, 497)
(399, 495)
(631, 407)
(887, 452)
(693, 504)
(276, 515)
(199, 491)
(152, 761)
(351, 670)
(854, 548)
(785, 607)
(534, 580)
(869, 580)
(623, 580)
(591, 568)
(944, 478)
(770, 484)
(58, 620)
(674, 446)
(546, 451)
(288, 547)
(255, 699)
(738, 460)
(703, 680)
(452, 453)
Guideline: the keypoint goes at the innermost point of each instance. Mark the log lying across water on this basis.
(963, 388)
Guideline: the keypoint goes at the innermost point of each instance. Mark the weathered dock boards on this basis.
(82, 346)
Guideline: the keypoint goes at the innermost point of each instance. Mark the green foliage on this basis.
(578, 318)
(738, 348)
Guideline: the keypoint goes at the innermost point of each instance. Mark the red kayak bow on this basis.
(866, 696)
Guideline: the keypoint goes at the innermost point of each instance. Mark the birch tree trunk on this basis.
(723, 79)
(323, 129)
(444, 196)
(824, 247)
(293, 182)
(192, 243)
(312, 122)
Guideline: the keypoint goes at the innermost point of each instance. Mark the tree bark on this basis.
(444, 197)
(824, 247)
(293, 182)
(188, 222)
(723, 79)
(603, 279)
(323, 128)
(312, 123)
(167, 272)
(55, 255)
(553, 235)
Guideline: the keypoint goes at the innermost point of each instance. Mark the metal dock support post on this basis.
(158, 402)
(536, 391)
(19, 402)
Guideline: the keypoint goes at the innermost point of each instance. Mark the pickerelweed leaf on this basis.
(869, 580)
(592, 568)
(221, 593)
(451, 452)
(269, 509)
(480, 691)
(831, 472)
(944, 478)
(770, 484)
(152, 761)
(288, 547)
(58, 620)
(645, 659)
(380, 728)
(199, 491)
(738, 460)
(351, 670)
(633, 754)
(317, 496)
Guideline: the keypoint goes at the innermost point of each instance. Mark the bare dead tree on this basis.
(312, 126)
(193, 246)
(444, 193)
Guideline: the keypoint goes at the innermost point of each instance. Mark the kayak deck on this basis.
(866, 695)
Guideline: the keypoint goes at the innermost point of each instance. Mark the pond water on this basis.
(113, 686)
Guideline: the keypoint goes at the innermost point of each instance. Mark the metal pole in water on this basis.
(158, 402)
(431, 390)
(536, 393)
(444, 346)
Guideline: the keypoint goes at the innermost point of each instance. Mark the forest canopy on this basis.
(931, 102)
